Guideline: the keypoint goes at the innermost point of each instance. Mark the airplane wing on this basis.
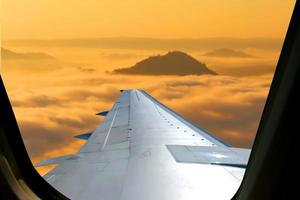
(144, 150)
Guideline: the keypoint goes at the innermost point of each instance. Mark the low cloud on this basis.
(74, 123)
(227, 53)
(119, 56)
(86, 69)
(40, 138)
(225, 118)
(37, 101)
(250, 70)
(107, 94)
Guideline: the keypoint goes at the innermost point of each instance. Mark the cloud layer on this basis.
(51, 114)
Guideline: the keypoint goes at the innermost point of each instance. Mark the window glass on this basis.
(63, 61)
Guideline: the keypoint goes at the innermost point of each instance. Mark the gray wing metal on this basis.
(144, 150)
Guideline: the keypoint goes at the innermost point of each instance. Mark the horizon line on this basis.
(132, 37)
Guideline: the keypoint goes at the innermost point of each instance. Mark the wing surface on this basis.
(144, 150)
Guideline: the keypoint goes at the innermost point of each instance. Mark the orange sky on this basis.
(147, 18)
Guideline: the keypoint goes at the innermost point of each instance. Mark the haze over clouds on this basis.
(141, 43)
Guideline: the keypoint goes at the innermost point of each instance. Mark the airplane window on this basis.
(66, 63)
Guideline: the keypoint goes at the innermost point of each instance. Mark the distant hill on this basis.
(227, 53)
(8, 54)
(173, 63)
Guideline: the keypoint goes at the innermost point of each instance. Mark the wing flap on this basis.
(235, 157)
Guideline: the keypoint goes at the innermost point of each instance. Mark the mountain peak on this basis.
(8, 54)
(172, 63)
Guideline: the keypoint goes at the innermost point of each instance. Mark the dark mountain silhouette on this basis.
(8, 54)
(173, 63)
(227, 53)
